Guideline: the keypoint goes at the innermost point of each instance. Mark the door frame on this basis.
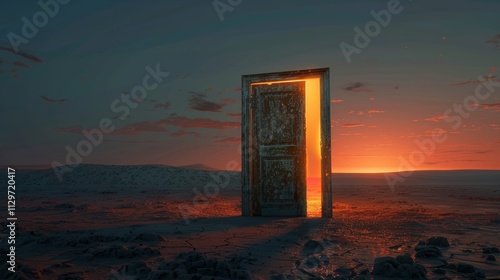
(246, 146)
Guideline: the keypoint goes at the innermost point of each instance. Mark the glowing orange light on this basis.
(313, 147)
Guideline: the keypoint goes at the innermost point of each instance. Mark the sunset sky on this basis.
(391, 95)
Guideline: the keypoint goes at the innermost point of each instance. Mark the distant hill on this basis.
(26, 167)
(199, 175)
(198, 167)
(91, 174)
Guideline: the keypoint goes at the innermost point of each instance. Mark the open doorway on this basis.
(286, 144)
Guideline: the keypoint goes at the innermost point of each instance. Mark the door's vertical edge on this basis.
(326, 182)
(245, 147)
(255, 173)
(303, 210)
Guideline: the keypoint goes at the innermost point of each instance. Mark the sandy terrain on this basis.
(132, 223)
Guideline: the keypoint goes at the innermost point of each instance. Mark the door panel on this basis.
(277, 161)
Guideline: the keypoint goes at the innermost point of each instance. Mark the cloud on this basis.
(411, 135)
(361, 113)
(493, 106)
(30, 57)
(229, 140)
(13, 68)
(21, 64)
(495, 41)
(182, 133)
(227, 101)
(234, 115)
(462, 152)
(350, 134)
(48, 99)
(120, 117)
(133, 129)
(431, 133)
(164, 106)
(198, 102)
(75, 129)
(179, 133)
(435, 162)
(476, 81)
(336, 100)
(349, 125)
(186, 122)
(435, 132)
(436, 118)
(494, 125)
(132, 141)
(138, 128)
(356, 87)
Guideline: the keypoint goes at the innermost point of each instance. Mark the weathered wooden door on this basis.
(277, 159)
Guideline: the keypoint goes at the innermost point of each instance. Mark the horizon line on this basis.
(186, 166)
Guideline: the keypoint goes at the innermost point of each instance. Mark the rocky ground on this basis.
(112, 231)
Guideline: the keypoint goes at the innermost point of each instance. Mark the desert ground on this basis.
(158, 222)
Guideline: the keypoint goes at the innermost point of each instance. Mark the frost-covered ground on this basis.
(140, 222)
